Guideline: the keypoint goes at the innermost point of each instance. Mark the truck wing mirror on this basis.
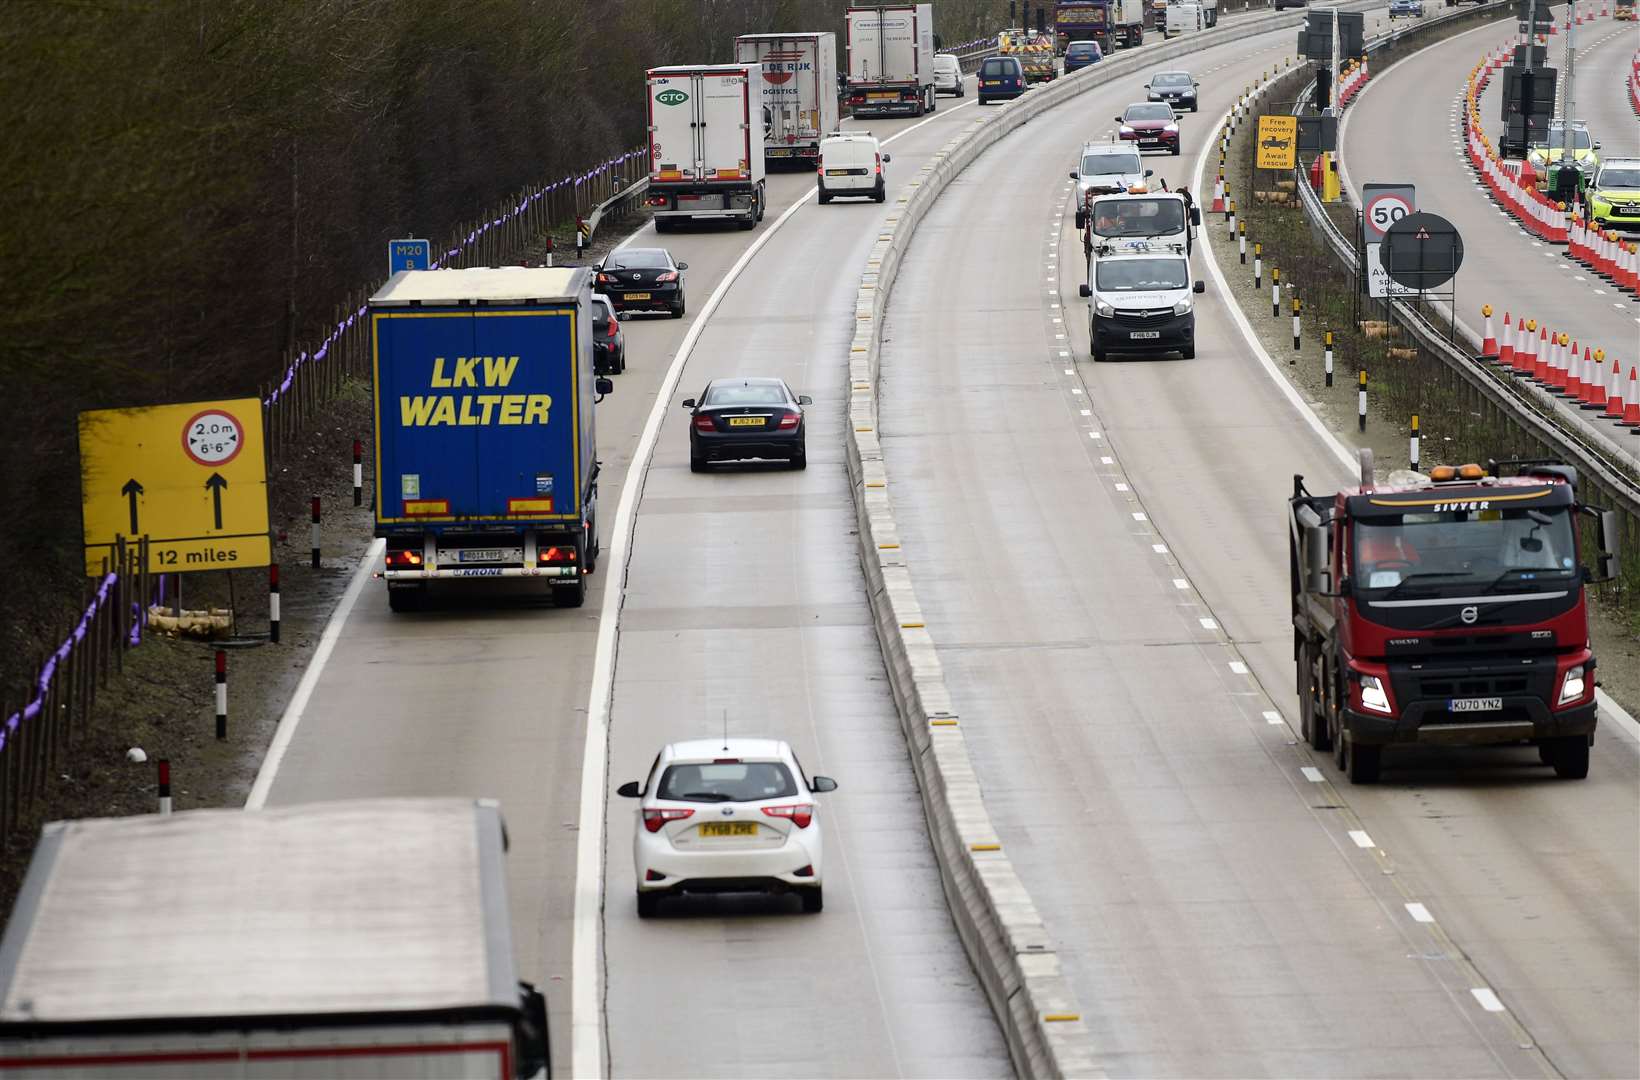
(1199, 288)
(603, 386)
(1607, 563)
(1195, 215)
(1083, 291)
(533, 1048)
(1149, 173)
(629, 790)
(1073, 174)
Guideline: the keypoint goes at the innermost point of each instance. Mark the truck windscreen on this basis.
(1138, 217)
(1482, 551)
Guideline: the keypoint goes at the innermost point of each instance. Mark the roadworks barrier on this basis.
(1011, 949)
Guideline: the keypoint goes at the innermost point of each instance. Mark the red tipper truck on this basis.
(1448, 609)
(891, 60)
(706, 144)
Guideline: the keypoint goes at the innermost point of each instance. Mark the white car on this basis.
(947, 74)
(851, 163)
(727, 815)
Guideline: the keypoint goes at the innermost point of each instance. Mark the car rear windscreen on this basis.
(1099, 164)
(739, 394)
(731, 781)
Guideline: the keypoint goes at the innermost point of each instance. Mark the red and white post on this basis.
(164, 785)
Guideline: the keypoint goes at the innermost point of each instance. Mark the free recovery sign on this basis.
(190, 477)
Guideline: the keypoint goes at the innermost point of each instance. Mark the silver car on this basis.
(1105, 169)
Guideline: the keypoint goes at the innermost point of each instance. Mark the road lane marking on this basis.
(1312, 774)
(1362, 840)
(1419, 913)
(1489, 1001)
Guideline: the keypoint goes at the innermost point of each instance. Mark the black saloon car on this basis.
(643, 279)
(1177, 88)
(736, 419)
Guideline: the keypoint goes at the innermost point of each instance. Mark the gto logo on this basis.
(1448, 507)
(671, 97)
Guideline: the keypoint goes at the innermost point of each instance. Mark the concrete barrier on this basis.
(1006, 941)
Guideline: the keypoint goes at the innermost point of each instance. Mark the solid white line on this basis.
(1361, 839)
(292, 717)
(1312, 774)
(1419, 913)
(586, 990)
(1160, 549)
(1273, 717)
(1238, 668)
(1489, 1001)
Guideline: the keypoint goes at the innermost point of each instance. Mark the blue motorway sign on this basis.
(408, 255)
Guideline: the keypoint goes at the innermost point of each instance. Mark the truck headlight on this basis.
(1373, 695)
(1571, 687)
(1182, 308)
(1103, 309)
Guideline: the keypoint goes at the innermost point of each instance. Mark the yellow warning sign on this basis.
(1277, 142)
(190, 477)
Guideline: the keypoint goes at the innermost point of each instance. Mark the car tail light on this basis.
(605, 279)
(656, 200)
(655, 817)
(790, 420)
(670, 275)
(397, 559)
(879, 163)
(553, 556)
(614, 328)
(704, 422)
(800, 814)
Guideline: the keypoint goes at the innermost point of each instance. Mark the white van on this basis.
(947, 74)
(1182, 18)
(1139, 301)
(851, 163)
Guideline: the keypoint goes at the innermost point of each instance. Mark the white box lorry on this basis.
(799, 85)
(891, 60)
(357, 939)
(705, 146)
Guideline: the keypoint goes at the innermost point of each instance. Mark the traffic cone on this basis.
(1218, 196)
(1541, 357)
(1558, 369)
(1525, 358)
(1593, 382)
(1631, 401)
(1614, 394)
(1573, 375)
(1506, 351)
(1594, 385)
(1489, 344)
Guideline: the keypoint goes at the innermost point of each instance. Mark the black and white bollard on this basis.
(1328, 356)
(1413, 455)
(1295, 324)
(273, 603)
(1232, 205)
(1361, 402)
(358, 473)
(1275, 292)
(164, 785)
(1241, 240)
(316, 532)
(1258, 266)
(221, 694)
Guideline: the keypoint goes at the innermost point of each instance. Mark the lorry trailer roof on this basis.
(366, 906)
(480, 284)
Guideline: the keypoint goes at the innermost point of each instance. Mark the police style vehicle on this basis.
(1139, 300)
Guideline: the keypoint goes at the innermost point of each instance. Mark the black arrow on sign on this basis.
(131, 490)
(216, 484)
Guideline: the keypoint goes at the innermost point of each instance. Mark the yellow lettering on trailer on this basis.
(474, 410)
(512, 409)
(498, 370)
(537, 405)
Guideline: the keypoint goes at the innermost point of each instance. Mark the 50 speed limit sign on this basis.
(1382, 205)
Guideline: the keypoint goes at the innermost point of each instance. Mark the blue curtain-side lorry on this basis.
(486, 463)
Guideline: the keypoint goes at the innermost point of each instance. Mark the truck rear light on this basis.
(655, 817)
(704, 422)
(799, 814)
(670, 275)
(790, 420)
(398, 559)
(1572, 686)
(655, 200)
(554, 556)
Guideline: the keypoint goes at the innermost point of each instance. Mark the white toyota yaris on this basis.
(727, 815)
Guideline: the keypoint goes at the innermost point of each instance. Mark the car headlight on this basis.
(1571, 687)
(1599, 201)
(1182, 308)
(1154, 95)
(1103, 309)
(1373, 695)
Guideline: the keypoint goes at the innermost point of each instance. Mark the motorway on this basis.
(1413, 107)
(1098, 551)
(1213, 909)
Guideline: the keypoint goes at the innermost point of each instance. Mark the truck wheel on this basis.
(1312, 714)
(814, 901)
(663, 224)
(649, 905)
(933, 100)
(1364, 763)
(405, 599)
(1570, 757)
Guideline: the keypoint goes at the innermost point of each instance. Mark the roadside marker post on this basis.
(1295, 327)
(358, 473)
(1258, 265)
(316, 532)
(164, 785)
(1413, 454)
(1361, 402)
(1275, 292)
(1329, 358)
(273, 603)
(221, 694)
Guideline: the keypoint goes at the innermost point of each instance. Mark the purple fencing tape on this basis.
(49, 672)
(524, 204)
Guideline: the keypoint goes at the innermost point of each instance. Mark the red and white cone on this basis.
(1631, 401)
(1506, 349)
(1614, 394)
(1489, 343)
(1218, 196)
(1594, 381)
(1541, 357)
(1573, 375)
